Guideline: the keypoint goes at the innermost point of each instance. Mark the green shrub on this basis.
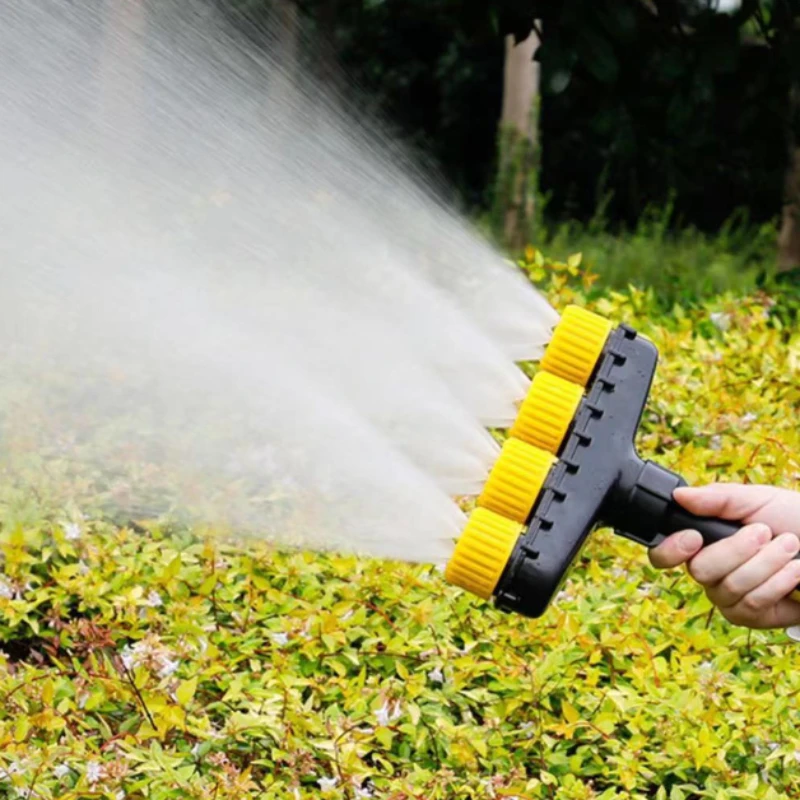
(148, 662)
(680, 264)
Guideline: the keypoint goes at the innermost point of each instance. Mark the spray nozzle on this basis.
(569, 466)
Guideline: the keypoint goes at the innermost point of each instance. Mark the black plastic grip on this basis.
(710, 528)
(600, 480)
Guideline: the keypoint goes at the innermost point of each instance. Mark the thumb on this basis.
(731, 501)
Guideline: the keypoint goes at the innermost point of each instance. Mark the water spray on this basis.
(570, 466)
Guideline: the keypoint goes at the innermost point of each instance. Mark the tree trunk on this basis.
(287, 20)
(328, 66)
(789, 238)
(518, 156)
(121, 74)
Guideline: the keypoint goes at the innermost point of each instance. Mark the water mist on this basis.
(231, 298)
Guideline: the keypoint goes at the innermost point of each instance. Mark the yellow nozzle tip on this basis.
(547, 412)
(482, 552)
(516, 479)
(577, 344)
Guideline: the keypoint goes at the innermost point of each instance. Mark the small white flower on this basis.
(721, 321)
(771, 746)
(382, 715)
(168, 667)
(436, 675)
(346, 616)
(13, 769)
(128, 658)
(72, 531)
(364, 792)
(154, 599)
(796, 755)
(706, 665)
(618, 572)
(327, 783)
(61, 771)
(280, 638)
(716, 442)
(385, 715)
(747, 418)
(94, 772)
(527, 729)
(5, 590)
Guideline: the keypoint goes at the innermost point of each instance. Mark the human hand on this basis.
(750, 575)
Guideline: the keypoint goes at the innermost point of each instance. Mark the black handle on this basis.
(642, 507)
(710, 528)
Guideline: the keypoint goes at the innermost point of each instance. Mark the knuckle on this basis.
(729, 586)
(700, 572)
(752, 603)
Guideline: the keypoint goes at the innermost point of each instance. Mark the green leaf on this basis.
(185, 692)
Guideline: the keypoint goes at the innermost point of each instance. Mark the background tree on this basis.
(642, 102)
(124, 28)
(518, 166)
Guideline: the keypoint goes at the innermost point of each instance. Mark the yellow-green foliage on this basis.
(151, 663)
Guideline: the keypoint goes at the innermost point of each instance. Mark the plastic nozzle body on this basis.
(594, 474)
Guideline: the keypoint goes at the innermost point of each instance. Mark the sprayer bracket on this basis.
(598, 480)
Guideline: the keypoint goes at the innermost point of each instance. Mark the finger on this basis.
(724, 500)
(713, 563)
(745, 580)
(676, 549)
(768, 606)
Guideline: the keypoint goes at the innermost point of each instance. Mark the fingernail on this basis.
(791, 544)
(690, 541)
(763, 535)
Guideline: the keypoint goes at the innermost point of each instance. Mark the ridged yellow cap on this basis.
(547, 412)
(515, 480)
(577, 344)
(482, 552)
